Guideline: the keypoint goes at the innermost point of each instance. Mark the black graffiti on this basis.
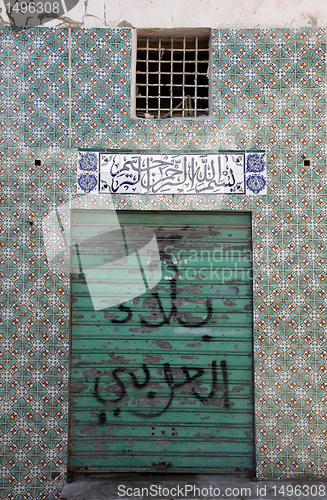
(206, 338)
(166, 256)
(126, 309)
(171, 383)
(140, 385)
(102, 417)
(118, 381)
(174, 312)
(223, 365)
(213, 385)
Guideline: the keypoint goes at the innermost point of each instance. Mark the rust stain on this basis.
(152, 358)
(78, 387)
(162, 344)
(229, 303)
(118, 359)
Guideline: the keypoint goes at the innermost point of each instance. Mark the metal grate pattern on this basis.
(172, 77)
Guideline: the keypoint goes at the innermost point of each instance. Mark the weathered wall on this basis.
(269, 92)
(195, 13)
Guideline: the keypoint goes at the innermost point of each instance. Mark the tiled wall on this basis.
(269, 93)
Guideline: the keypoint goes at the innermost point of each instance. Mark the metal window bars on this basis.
(172, 77)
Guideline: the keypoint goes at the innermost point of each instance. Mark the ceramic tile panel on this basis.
(171, 173)
(269, 93)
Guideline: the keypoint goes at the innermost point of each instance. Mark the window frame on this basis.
(167, 33)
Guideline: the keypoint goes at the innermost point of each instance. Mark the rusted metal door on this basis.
(161, 374)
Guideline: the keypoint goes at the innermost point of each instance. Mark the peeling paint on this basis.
(313, 20)
(125, 24)
(162, 344)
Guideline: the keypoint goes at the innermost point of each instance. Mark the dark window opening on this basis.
(172, 77)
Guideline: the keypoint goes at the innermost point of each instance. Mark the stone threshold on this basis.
(145, 486)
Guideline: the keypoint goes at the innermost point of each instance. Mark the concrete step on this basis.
(190, 487)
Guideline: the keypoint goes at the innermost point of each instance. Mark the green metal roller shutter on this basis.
(163, 381)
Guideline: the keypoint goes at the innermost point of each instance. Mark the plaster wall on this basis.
(194, 13)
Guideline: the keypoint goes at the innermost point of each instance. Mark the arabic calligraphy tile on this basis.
(105, 183)
(130, 174)
(109, 166)
(151, 174)
(194, 173)
(173, 174)
(234, 173)
(120, 173)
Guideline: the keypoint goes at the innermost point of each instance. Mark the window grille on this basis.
(172, 77)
